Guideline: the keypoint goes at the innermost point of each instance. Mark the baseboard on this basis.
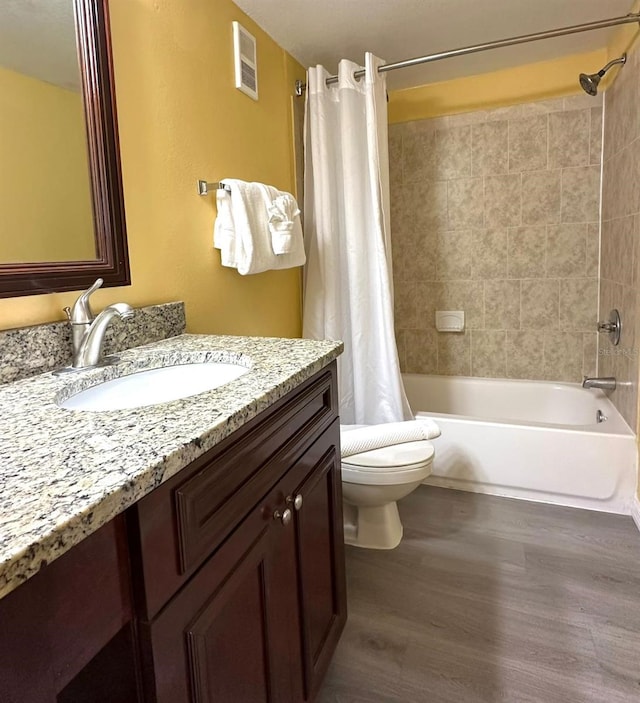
(635, 511)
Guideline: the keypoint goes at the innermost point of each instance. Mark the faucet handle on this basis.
(612, 327)
(81, 311)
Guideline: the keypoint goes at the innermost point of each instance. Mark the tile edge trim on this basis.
(635, 511)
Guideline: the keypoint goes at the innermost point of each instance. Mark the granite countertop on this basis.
(65, 473)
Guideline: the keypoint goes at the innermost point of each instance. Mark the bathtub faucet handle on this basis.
(612, 327)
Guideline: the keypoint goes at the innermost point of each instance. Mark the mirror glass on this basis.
(46, 212)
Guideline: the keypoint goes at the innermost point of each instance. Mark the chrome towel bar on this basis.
(205, 188)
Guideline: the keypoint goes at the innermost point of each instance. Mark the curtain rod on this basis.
(300, 86)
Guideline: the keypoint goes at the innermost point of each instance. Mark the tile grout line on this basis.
(603, 109)
(546, 276)
(548, 164)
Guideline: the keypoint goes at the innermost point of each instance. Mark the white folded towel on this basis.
(283, 219)
(224, 233)
(243, 234)
(366, 439)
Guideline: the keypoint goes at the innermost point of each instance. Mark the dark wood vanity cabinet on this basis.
(224, 585)
(261, 618)
(247, 605)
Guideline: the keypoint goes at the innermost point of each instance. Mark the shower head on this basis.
(590, 81)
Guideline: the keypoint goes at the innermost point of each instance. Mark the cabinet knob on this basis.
(295, 501)
(284, 517)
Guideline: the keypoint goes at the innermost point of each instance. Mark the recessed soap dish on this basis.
(450, 320)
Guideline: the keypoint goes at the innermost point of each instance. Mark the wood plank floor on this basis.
(493, 600)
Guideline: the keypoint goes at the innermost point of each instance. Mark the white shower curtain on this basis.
(348, 283)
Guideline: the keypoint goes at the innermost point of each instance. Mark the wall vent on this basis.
(245, 60)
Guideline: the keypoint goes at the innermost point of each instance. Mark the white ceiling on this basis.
(37, 38)
(324, 31)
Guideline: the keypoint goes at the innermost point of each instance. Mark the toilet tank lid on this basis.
(397, 456)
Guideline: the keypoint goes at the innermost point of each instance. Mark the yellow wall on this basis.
(520, 84)
(181, 119)
(45, 198)
(537, 81)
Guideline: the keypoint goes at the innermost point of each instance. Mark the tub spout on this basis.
(607, 383)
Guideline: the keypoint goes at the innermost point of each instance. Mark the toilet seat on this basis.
(396, 464)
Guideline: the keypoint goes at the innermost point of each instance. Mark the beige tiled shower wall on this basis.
(619, 285)
(496, 213)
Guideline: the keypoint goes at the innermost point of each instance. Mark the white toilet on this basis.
(372, 482)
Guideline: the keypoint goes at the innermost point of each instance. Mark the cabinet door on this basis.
(231, 634)
(259, 622)
(320, 555)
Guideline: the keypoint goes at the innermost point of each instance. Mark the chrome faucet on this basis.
(88, 331)
(607, 383)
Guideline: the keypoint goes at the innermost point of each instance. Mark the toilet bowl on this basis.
(372, 482)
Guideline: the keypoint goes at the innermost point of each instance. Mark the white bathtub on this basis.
(528, 439)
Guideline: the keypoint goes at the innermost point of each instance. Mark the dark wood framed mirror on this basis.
(97, 140)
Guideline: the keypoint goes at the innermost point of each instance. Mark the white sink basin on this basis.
(154, 386)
